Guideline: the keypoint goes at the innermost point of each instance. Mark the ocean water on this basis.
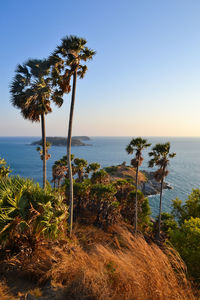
(184, 169)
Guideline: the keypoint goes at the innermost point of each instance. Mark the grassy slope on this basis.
(97, 265)
(124, 172)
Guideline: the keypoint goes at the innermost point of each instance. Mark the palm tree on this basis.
(93, 167)
(66, 63)
(137, 145)
(31, 91)
(160, 157)
(80, 165)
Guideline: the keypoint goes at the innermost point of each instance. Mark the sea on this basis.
(184, 169)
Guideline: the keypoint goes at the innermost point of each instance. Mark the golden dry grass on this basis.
(127, 172)
(98, 265)
(5, 293)
(136, 270)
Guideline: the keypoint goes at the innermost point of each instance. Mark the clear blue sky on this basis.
(144, 80)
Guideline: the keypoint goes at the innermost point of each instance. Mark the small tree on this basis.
(137, 145)
(160, 157)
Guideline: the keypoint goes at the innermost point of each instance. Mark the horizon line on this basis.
(104, 136)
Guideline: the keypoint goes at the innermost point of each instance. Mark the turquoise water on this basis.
(184, 169)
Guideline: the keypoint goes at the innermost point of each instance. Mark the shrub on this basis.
(100, 177)
(191, 208)
(186, 241)
(29, 211)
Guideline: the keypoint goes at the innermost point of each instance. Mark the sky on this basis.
(143, 81)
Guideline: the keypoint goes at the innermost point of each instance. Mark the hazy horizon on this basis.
(103, 136)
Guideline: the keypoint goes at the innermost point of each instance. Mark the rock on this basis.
(151, 186)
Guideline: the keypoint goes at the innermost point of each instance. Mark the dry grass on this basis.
(136, 270)
(98, 265)
(126, 172)
(5, 293)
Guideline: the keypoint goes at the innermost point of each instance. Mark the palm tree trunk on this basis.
(44, 149)
(71, 200)
(160, 209)
(136, 204)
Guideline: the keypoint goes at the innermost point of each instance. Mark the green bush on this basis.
(186, 241)
(26, 209)
(191, 207)
(111, 170)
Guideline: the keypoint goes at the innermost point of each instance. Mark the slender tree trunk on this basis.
(160, 209)
(136, 200)
(44, 149)
(71, 200)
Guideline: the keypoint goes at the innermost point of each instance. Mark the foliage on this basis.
(31, 89)
(168, 223)
(191, 207)
(80, 169)
(137, 145)
(29, 211)
(111, 169)
(100, 177)
(40, 150)
(4, 169)
(103, 191)
(144, 211)
(186, 241)
(60, 170)
(108, 201)
(67, 59)
(80, 165)
(160, 157)
(93, 167)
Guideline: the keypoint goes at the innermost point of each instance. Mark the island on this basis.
(62, 141)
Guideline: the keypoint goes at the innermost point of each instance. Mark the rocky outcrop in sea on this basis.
(151, 186)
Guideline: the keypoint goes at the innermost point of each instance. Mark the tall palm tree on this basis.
(160, 157)
(31, 91)
(137, 145)
(66, 63)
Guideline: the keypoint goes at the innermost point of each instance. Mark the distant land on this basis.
(62, 141)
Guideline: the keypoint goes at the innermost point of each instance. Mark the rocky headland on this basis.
(147, 183)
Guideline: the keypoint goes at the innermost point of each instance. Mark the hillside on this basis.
(95, 265)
